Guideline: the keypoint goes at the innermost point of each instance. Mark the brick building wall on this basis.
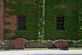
(1, 19)
(10, 21)
(5, 19)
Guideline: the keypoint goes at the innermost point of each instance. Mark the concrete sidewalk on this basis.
(42, 52)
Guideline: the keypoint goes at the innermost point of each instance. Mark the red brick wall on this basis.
(1, 20)
(12, 20)
(11, 27)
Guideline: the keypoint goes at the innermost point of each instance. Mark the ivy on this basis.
(45, 25)
(7, 31)
(7, 23)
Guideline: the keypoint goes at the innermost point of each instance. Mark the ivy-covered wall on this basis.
(27, 8)
(32, 9)
(68, 8)
(80, 17)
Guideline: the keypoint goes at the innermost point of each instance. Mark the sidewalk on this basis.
(42, 52)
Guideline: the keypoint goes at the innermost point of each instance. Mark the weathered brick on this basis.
(9, 10)
(60, 43)
(1, 20)
(11, 27)
(19, 43)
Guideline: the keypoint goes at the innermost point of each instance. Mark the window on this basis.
(60, 22)
(21, 22)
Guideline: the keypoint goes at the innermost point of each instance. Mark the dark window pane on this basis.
(21, 22)
(60, 22)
